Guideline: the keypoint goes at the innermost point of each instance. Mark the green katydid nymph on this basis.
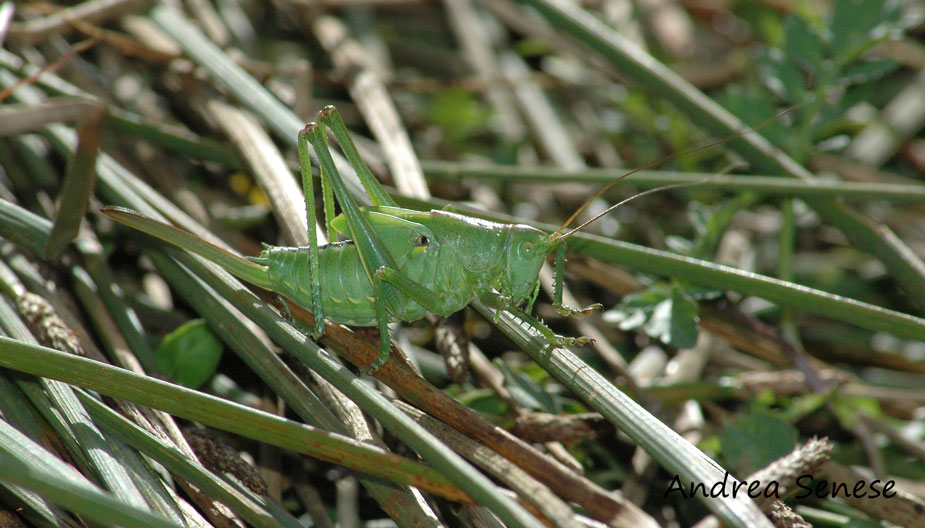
(398, 265)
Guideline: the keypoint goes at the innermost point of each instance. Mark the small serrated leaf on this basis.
(190, 354)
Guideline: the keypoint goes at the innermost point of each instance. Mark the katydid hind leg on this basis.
(377, 195)
(372, 250)
(314, 266)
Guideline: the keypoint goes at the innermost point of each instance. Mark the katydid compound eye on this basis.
(526, 248)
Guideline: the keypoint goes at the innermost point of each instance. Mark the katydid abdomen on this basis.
(347, 294)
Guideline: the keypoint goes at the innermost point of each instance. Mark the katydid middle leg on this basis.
(429, 299)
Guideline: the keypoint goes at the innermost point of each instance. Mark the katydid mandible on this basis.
(400, 263)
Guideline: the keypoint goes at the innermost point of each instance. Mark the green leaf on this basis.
(782, 77)
(527, 392)
(868, 71)
(803, 44)
(852, 25)
(755, 440)
(485, 401)
(189, 354)
(674, 321)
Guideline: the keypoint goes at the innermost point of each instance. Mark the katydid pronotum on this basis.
(400, 263)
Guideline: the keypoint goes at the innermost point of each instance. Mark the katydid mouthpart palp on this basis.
(399, 264)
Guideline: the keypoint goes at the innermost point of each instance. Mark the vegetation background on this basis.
(776, 302)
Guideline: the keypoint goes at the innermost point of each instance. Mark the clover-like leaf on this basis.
(674, 321)
(190, 354)
(755, 440)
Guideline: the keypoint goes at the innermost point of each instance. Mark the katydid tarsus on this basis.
(399, 264)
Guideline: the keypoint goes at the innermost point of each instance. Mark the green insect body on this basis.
(461, 257)
(400, 263)
(437, 252)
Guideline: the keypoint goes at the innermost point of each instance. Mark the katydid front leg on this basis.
(557, 291)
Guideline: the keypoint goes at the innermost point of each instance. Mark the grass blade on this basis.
(218, 413)
(666, 446)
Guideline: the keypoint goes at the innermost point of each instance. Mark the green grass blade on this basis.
(24, 228)
(89, 502)
(18, 445)
(69, 419)
(252, 508)
(712, 275)
(717, 276)
(77, 188)
(238, 266)
(215, 412)
(670, 449)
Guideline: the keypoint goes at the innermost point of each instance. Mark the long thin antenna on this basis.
(651, 164)
(631, 198)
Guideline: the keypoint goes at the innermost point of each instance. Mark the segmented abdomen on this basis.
(347, 294)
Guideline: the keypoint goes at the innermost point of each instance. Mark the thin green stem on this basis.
(768, 185)
(670, 449)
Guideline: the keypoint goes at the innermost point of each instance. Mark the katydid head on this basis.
(527, 250)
